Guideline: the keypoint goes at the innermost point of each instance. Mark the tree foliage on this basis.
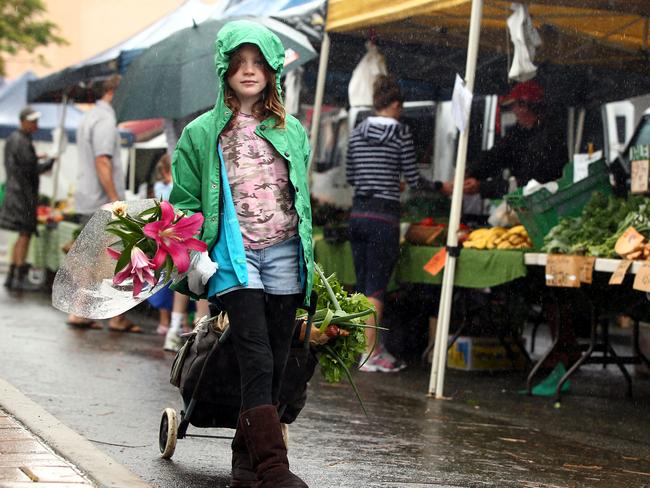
(23, 27)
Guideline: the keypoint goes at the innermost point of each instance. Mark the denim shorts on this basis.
(274, 269)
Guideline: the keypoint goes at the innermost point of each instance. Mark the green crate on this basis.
(542, 210)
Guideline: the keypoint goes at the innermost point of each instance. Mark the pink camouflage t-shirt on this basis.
(259, 182)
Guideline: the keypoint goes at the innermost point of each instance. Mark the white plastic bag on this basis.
(363, 76)
(503, 216)
(292, 88)
(525, 39)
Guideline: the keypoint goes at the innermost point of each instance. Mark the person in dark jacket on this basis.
(18, 211)
(533, 149)
(380, 150)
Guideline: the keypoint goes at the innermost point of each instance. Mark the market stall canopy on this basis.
(269, 7)
(13, 98)
(594, 32)
(176, 77)
(424, 42)
(77, 81)
(144, 130)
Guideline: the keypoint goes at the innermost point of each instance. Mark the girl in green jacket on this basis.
(253, 191)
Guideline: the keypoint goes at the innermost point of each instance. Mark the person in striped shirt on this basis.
(380, 151)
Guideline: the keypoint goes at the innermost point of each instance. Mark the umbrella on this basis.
(176, 76)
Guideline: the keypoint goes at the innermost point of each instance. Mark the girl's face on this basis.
(248, 78)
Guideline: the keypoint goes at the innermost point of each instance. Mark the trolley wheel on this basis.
(168, 433)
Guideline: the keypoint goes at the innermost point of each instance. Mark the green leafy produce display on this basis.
(342, 316)
(596, 230)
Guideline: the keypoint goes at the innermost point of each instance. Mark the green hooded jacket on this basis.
(196, 164)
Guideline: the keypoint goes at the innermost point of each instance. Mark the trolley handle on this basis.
(313, 302)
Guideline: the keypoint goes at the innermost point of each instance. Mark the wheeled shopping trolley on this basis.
(206, 372)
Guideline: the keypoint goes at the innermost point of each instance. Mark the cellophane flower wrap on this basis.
(153, 244)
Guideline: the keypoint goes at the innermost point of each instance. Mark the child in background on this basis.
(163, 185)
(164, 299)
(172, 307)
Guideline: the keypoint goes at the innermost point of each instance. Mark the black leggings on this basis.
(262, 326)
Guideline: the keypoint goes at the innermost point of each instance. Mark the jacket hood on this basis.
(378, 133)
(238, 32)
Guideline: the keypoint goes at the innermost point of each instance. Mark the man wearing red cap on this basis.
(533, 149)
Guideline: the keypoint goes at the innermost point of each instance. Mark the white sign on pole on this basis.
(461, 103)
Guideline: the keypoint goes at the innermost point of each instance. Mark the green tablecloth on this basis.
(474, 268)
(45, 250)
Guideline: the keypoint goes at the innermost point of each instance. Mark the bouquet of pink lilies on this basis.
(154, 241)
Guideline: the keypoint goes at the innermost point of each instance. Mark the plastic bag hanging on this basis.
(292, 89)
(372, 64)
(526, 40)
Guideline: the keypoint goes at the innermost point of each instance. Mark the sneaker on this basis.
(173, 342)
(381, 362)
(162, 329)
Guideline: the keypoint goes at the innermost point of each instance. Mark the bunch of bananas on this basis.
(498, 238)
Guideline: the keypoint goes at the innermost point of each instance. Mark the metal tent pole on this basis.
(437, 379)
(59, 144)
(320, 91)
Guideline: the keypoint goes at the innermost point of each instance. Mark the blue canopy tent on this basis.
(13, 98)
(268, 8)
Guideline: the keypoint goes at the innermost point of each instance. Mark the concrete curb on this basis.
(104, 471)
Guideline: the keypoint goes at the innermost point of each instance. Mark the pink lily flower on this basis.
(175, 239)
(139, 268)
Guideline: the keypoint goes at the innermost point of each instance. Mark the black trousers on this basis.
(262, 326)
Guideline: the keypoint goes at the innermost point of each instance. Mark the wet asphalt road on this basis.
(112, 387)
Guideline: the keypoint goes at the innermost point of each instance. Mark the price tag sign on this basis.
(639, 176)
(563, 271)
(642, 278)
(619, 274)
(437, 262)
(587, 269)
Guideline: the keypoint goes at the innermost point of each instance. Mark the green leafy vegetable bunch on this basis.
(601, 222)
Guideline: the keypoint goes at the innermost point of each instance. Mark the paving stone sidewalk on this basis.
(25, 460)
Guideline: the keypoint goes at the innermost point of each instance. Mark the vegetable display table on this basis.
(603, 299)
(474, 268)
(45, 249)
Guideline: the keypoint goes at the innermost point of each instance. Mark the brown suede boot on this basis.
(261, 428)
(243, 474)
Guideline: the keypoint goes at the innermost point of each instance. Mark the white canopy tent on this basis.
(442, 333)
(615, 36)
